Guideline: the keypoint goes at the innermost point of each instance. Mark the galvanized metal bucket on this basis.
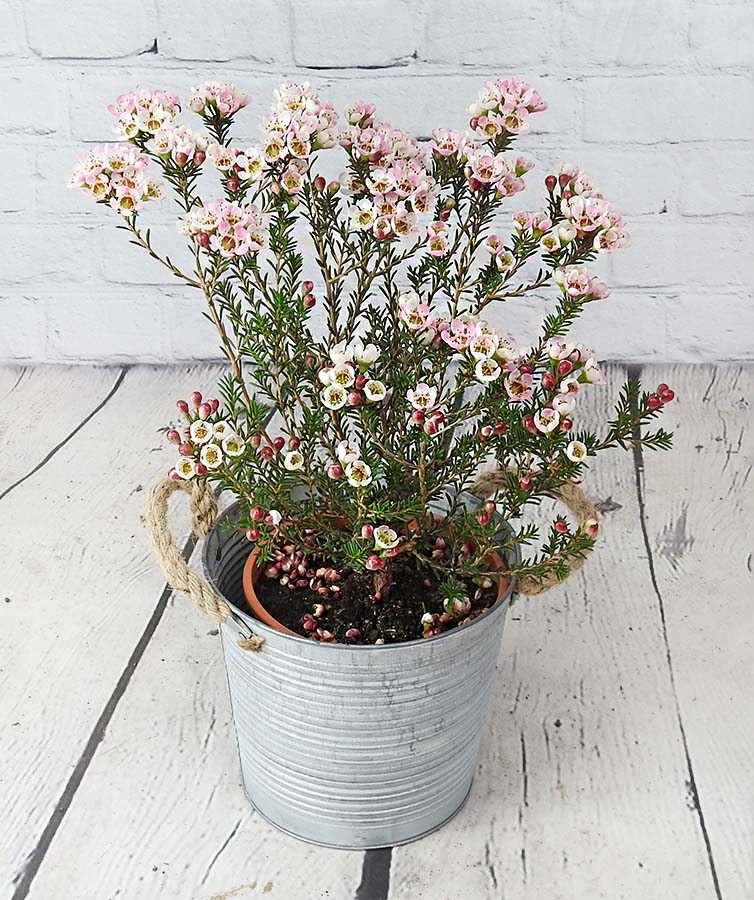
(353, 746)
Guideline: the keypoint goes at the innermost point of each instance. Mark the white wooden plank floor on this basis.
(618, 763)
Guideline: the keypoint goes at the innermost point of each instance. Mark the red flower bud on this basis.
(367, 531)
(173, 436)
(202, 239)
(255, 440)
(205, 410)
(354, 398)
(307, 287)
(430, 427)
(257, 513)
(528, 423)
(174, 475)
(310, 301)
(278, 443)
(564, 179)
(548, 381)
(182, 406)
(560, 525)
(319, 183)
(485, 432)
(181, 158)
(564, 367)
(654, 402)
(266, 453)
(525, 369)
(483, 518)
(214, 403)
(418, 415)
(667, 395)
(525, 483)
(566, 424)
(232, 184)
(361, 380)
(374, 563)
(186, 450)
(660, 388)
(200, 469)
(252, 534)
(199, 157)
(293, 442)
(335, 471)
(499, 428)
(550, 183)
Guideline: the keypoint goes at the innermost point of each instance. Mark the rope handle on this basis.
(170, 558)
(489, 483)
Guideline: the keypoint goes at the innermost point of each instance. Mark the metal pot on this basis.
(353, 746)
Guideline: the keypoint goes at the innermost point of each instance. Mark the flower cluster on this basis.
(220, 98)
(143, 113)
(586, 212)
(396, 188)
(203, 445)
(179, 144)
(299, 123)
(228, 228)
(346, 381)
(503, 106)
(116, 174)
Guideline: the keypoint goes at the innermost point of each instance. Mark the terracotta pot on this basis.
(251, 573)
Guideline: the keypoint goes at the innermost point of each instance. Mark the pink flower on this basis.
(413, 312)
(522, 221)
(233, 230)
(559, 349)
(505, 104)
(458, 334)
(578, 281)
(360, 113)
(586, 214)
(446, 142)
(518, 386)
(221, 98)
(143, 112)
(116, 174)
(546, 420)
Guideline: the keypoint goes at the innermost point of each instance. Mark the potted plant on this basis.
(354, 557)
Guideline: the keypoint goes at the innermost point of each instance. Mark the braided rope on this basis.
(489, 483)
(170, 558)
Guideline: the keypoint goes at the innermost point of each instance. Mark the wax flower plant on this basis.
(386, 417)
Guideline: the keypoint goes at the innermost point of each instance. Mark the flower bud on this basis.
(182, 406)
(205, 410)
(483, 518)
(257, 513)
(548, 381)
(200, 469)
(199, 157)
(566, 424)
(255, 440)
(252, 534)
(293, 442)
(214, 403)
(490, 506)
(196, 398)
(173, 436)
(354, 398)
(174, 475)
(186, 450)
(334, 471)
(528, 423)
(499, 428)
(374, 563)
(319, 183)
(310, 301)
(591, 526)
(485, 432)
(202, 239)
(550, 183)
(564, 367)
(181, 158)
(232, 184)
(307, 287)
(278, 443)
(353, 635)
(266, 453)
(333, 187)
(367, 531)
(417, 416)
(667, 395)
(654, 401)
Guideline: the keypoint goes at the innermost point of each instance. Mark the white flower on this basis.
(185, 467)
(365, 356)
(233, 445)
(275, 517)
(557, 349)
(200, 431)
(347, 452)
(375, 390)
(507, 349)
(363, 214)
(484, 346)
(325, 375)
(211, 456)
(563, 403)
(487, 370)
(546, 420)
(333, 396)
(423, 396)
(342, 375)
(341, 353)
(385, 538)
(222, 429)
(576, 451)
(358, 473)
(293, 461)
(569, 386)
(593, 373)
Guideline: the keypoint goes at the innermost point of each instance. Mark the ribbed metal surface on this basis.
(356, 747)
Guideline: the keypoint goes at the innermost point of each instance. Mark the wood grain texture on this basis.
(581, 790)
(41, 407)
(699, 511)
(80, 585)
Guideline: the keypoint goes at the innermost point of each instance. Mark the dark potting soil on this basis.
(414, 591)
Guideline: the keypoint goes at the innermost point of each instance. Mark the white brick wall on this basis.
(654, 97)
